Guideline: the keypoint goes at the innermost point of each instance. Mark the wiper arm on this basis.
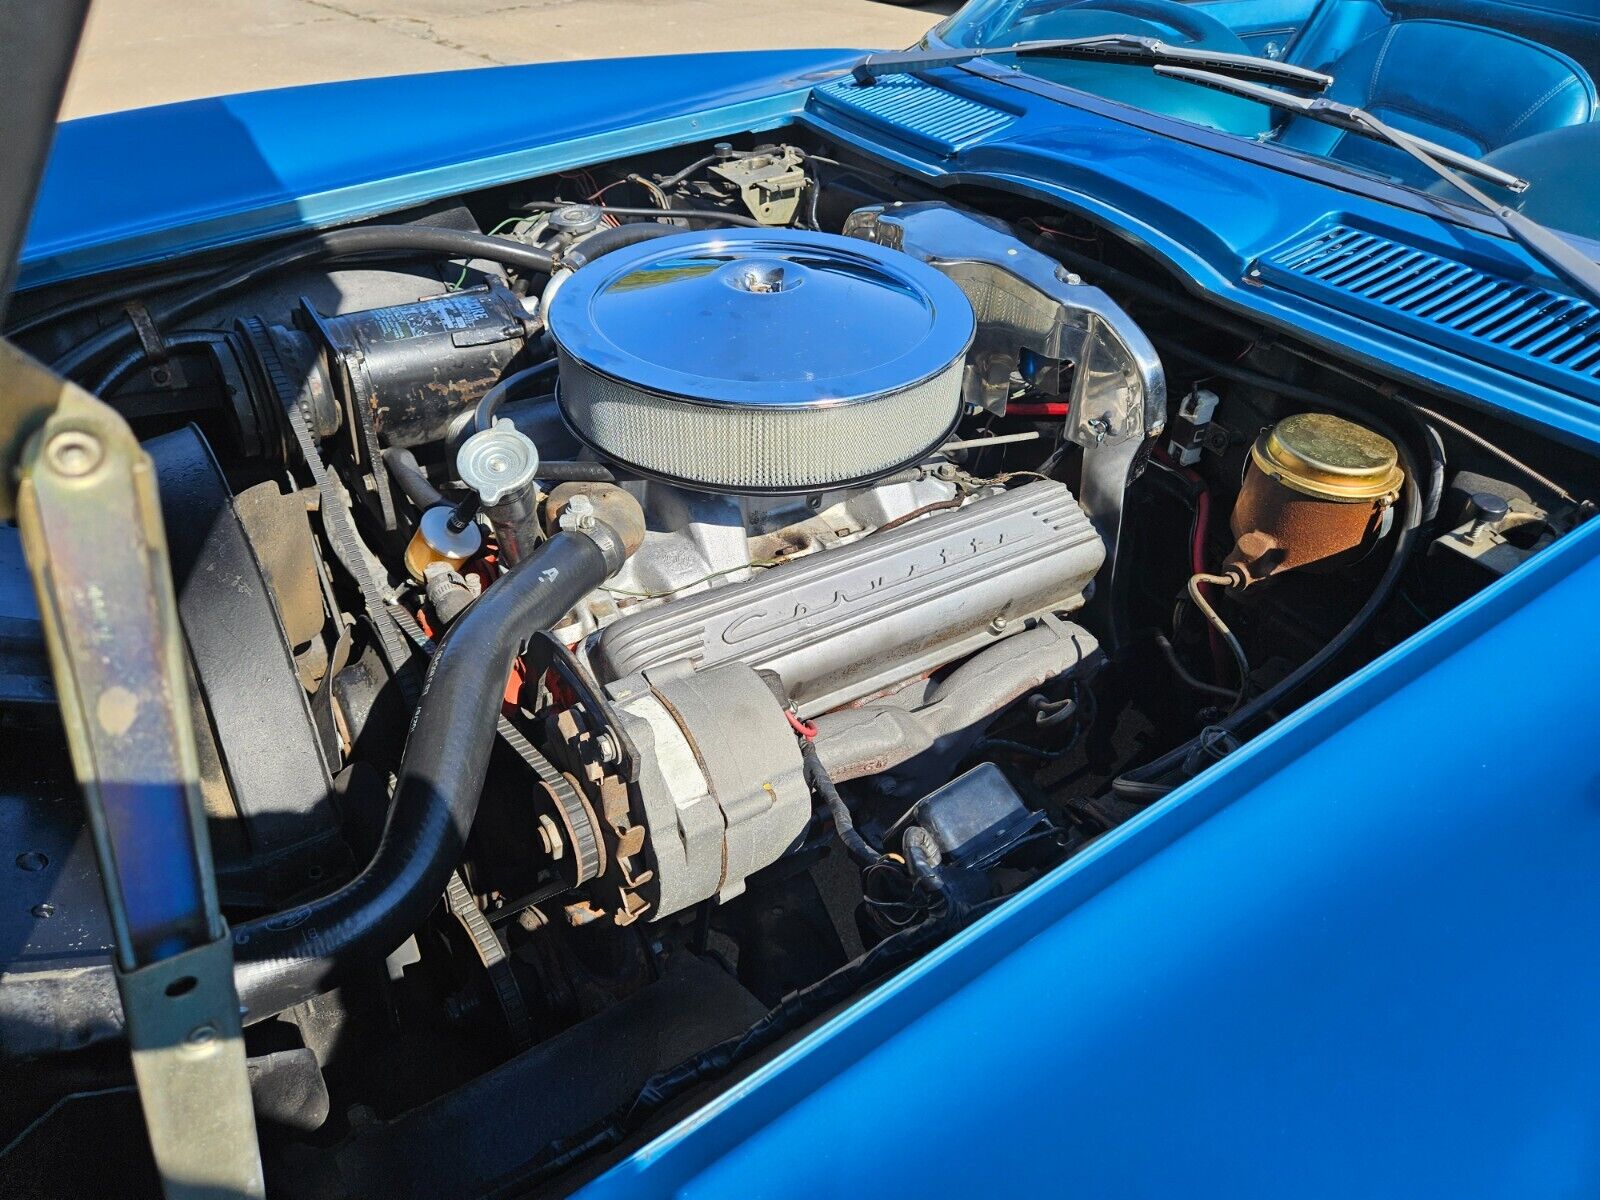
(1113, 47)
(1349, 118)
(1545, 244)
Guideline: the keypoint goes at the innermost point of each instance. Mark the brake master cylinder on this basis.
(1317, 490)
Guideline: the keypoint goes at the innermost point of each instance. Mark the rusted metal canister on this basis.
(437, 540)
(1316, 490)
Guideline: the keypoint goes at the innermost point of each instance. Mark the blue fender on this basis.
(133, 187)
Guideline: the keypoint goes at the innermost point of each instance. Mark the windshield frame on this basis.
(1263, 153)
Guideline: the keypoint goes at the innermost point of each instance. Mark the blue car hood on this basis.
(132, 187)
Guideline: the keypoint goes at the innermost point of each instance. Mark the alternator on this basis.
(721, 789)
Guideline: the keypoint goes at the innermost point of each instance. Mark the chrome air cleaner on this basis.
(761, 361)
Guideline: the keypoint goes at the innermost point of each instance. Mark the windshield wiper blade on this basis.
(1112, 47)
(1545, 244)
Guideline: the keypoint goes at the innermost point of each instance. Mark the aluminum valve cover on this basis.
(843, 624)
(761, 360)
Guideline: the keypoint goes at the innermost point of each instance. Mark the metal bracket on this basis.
(91, 529)
(770, 182)
(1025, 300)
(189, 1063)
(156, 355)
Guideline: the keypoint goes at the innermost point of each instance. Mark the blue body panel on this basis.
(1356, 958)
(134, 187)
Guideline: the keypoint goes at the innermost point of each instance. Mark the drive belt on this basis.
(584, 839)
(587, 852)
(464, 907)
(336, 519)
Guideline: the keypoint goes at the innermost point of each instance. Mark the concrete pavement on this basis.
(139, 52)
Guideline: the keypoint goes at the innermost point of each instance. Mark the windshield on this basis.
(1508, 84)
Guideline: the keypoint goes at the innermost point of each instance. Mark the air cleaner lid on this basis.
(766, 318)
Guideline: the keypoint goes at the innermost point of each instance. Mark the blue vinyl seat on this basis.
(1468, 87)
(1558, 161)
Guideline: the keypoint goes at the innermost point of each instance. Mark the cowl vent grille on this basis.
(919, 112)
(1485, 316)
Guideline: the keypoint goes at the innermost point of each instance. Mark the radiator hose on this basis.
(289, 957)
(599, 244)
(283, 960)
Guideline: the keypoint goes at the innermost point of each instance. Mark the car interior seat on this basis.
(1465, 86)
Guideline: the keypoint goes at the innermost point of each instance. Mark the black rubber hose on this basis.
(489, 403)
(604, 241)
(687, 214)
(285, 959)
(331, 243)
(714, 216)
(125, 366)
(556, 471)
(672, 181)
(121, 291)
(576, 472)
(410, 479)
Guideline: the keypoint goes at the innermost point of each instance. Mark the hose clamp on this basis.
(608, 540)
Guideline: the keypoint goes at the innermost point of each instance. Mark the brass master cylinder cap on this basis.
(1329, 458)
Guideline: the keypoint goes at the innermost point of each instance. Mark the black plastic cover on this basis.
(975, 819)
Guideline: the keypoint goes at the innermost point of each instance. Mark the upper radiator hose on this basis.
(286, 958)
